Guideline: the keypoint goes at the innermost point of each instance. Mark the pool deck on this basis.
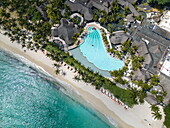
(76, 44)
(93, 24)
(99, 27)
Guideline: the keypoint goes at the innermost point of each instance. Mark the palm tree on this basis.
(77, 78)
(57, 71)
(159, 98)
(63, 73)
(157, 115)
(154, 108)
(133, 94)
(141, 95)
(57, 65)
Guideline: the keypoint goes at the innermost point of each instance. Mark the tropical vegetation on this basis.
(156, 112)
(114, 19)
(167, 116)
(76, 20)
(159, 1)
(89, 76)
(29, 23)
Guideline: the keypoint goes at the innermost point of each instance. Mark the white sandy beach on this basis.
(131, 118)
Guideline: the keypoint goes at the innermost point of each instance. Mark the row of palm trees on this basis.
(87, 75)
(19, 16)
(104, 37)
(25, 22)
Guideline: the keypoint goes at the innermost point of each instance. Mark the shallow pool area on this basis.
(77, 54)
(94, 51)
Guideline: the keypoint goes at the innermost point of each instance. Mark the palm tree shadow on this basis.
(63, 73)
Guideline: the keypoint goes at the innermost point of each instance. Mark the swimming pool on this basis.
(93, 49)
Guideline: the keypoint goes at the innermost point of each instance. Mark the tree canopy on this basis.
(167, 117)
(159, 1)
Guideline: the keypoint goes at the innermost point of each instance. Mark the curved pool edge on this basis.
(121, 63)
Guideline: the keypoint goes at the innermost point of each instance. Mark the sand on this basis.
(132, 118)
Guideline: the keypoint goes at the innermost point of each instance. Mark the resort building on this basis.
(144, 51)
(152, 42)
(129, 19)
(129, 5)
(141, 75)
(155, 45)
(65, 31)
(80, 8)
(162, 32)
(99, 4)
(86, 7)
(118, 38)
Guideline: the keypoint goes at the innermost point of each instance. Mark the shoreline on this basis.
(131, 118)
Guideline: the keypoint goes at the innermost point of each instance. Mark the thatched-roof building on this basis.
(143, 51)
(129, 19)
(162, 32)
(99, 5)
(80, 8)
(118, 38)
(129, 5)
(140, 75)
(65, 31)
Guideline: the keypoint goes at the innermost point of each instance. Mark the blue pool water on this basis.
(30, 99)
(93, 49)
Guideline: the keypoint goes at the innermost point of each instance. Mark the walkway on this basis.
(63, 42)
(77, 14)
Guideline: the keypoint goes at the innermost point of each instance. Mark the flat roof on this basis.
(166, 68)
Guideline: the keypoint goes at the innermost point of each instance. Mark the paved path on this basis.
(77, 14)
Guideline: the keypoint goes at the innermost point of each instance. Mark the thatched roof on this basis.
(129, 5)
(97, 4)
(140, 75)
(130, 18)
(118, 38)
(82, 1)
(78, 7)
(65, 31)
(106, 4)
(155, 49)
(142, 47)
(162, 32)
(151, 99)
(132, 1)
(43, 13)
(148, 59)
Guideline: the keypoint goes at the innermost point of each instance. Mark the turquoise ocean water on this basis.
(29, 99)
